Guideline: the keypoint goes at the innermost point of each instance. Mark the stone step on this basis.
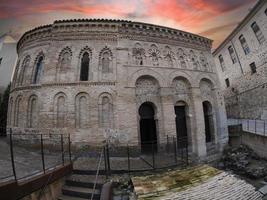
(83, 184)
(64, 197)
(87, 172)
(80, 192)
(101, 172)
(87, 178)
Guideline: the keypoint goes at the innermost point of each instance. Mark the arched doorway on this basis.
(148, 132)
(181, 127)
(208, 118)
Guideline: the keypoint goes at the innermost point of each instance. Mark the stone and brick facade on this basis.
(87, 76)
(241, 62)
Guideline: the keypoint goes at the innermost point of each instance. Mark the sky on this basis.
(214, 19)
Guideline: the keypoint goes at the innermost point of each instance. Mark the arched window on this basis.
(63, 65)
(195, 64)
(194, 60)
(16, 75)
(105, 62)
(24, 70)
(169, 56)
(18, 113)
(38, 70)
(65, 60)
(32, 112)
(84, 67)
(138, 54)
(60, 112)
(81, 108)
(182, 62)
(106, 112)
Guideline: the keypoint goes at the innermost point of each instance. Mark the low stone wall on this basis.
(52, 192)
(256, 142)
(30, 188)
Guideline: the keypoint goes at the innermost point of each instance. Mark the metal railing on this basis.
(97, 173)
(148, 155)
(35, 154)
(255, 126)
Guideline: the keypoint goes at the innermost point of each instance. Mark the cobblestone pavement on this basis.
(221, 187)
(197, 183)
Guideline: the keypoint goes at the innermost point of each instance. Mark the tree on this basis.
(3, 110)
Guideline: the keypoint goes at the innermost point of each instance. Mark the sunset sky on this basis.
(214, 19)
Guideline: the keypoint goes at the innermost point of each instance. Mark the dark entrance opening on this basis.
(147, 128)
(208, 120)
(181, 129)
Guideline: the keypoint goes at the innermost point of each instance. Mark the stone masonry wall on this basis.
(126, 62)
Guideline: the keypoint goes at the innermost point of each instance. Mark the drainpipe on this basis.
(237, 57)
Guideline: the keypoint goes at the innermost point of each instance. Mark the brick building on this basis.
(142, 80)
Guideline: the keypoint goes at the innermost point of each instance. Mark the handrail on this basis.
(97, 173)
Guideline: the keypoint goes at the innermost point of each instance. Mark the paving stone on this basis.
(214, 185)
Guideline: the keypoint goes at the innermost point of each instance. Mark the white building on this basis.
(241, 61)
(8, 57)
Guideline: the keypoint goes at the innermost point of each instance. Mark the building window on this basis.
(227, 82)
(84, 67)
(222, 62)
(1, 60)
(265, 12)
(244, 44)
(232, 54)
(258, 33)
(253, 68)
(38, 70)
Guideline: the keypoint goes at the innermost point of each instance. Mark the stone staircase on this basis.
(80, 184)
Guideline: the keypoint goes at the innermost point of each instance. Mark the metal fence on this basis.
(149, 155)
(255, 126)
(27, 155)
